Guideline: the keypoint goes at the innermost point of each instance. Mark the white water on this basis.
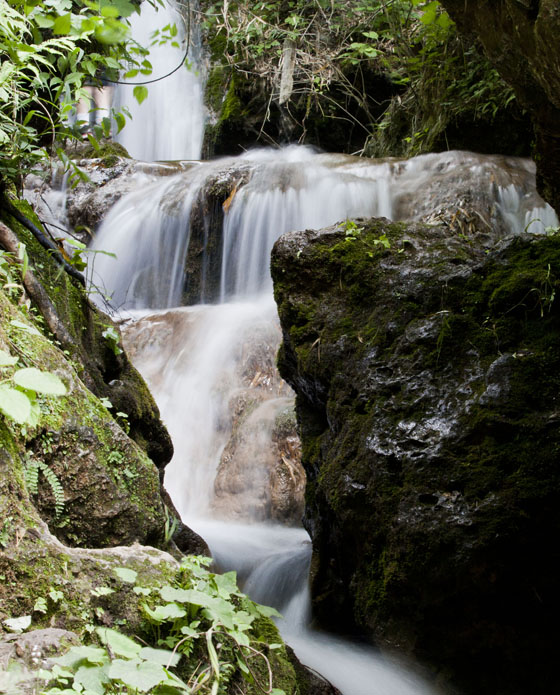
(169, 124)
(193, 357)
(292, 189)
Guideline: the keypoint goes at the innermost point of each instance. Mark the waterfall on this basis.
(169, 124)
(196, 358)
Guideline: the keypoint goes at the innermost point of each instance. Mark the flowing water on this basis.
(195, 358)
(169, 124)
(203, 361)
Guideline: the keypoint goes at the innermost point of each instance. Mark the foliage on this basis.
(48, 51)
(204, 637)
(341, 45)
(31, 470)
(19, 386)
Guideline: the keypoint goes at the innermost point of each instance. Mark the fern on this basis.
(31, 474)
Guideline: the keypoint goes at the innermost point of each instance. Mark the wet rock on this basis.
(427, 377)
(33, 648)
(61, 199)
(91, 482)
(310, 682)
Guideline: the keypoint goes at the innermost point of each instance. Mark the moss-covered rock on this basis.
(426, 366)
(110, 486)
(100, 363)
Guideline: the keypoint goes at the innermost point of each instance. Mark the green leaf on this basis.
(142, 677)
(102, 591)
(14, 404)
(140, 93)
(63, 24)
(126, 574)
(120, 644)
(92, 678)
(109, 11)
(40, 605)
(24, 327)
(56, 595)
(160, 656)
(6, 360)
(76, 655)
(170, 611)
(37, 380)
(226, 584)
(124, 7)
(170, 593)
(267, 611)
(18, 624)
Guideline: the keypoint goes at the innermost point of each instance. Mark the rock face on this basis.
(519, 37)
(426, 367)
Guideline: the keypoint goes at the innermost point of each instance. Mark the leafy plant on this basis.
(32, 469)
(19, 387)
(204, 634)
(113, 338)
(49, 50)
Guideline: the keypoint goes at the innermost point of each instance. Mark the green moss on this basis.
(109, 152)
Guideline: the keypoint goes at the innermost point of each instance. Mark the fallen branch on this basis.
(44, 241)
(36, 291)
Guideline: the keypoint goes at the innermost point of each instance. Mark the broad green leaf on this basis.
(140, 93)
(18, 624)
(43, 21)
(126, 574)
(170, 593)
(102, 591)
(62, 24)
(14, 404)
(139, 676)
(25, 327)
(92, 678)
(170, 611)
(37, 380)
(124, 7)
(118, 643)
(226, 584)
(109, 11)
(76, 655)
(142, 590)
(6, 360)
(160, 656)
(267, 611)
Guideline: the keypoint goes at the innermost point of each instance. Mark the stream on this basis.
(195, 358)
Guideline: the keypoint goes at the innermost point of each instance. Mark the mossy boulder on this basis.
(110, 486)
(100, 362)
(426, 365)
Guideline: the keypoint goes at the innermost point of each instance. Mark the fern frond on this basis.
(56, 487)
(31, 476)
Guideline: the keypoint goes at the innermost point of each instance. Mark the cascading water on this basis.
(169, 124)
(194, 358)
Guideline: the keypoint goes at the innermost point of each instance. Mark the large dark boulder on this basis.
(521, 39)
(427, 370)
